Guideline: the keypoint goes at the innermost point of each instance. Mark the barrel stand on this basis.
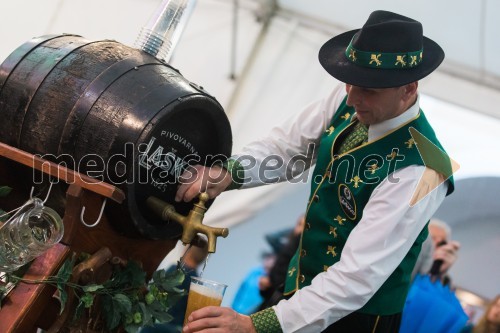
(32, 306)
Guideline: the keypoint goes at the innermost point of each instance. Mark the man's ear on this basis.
(410, 90)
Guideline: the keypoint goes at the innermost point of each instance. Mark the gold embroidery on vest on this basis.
(410, 143)
(373, 168)
(356, 181)
(392, 155)
(346, 116)
(292, 271)
(333, 231)
(331, 250)
(330, 130)
(339, 219)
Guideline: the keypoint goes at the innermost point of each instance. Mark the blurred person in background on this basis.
(248, 297)
(439, 252)
(271, 286)
(489, 321)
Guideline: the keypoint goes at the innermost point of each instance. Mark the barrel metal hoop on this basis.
(64, 51)
(89, 97)
(11, 62)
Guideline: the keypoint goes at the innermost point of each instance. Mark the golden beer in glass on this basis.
(203, 293)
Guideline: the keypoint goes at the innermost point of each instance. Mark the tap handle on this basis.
(203, 196)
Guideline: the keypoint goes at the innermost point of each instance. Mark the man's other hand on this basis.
(218, 319)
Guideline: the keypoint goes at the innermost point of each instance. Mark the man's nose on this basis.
(353, 96)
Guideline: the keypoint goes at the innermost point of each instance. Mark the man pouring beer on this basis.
(372, 192)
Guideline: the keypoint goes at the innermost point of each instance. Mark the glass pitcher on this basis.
(28, 234)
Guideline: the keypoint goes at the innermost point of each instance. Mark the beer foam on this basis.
(204, 290)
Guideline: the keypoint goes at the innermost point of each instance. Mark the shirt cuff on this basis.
(266, 321)
(236, 172)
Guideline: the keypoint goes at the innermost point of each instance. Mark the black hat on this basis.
(388, 51)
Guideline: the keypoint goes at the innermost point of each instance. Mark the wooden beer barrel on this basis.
(114, 113)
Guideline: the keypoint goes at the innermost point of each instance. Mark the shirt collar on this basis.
(378, 130)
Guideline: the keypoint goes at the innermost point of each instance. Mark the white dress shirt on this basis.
(383, 236)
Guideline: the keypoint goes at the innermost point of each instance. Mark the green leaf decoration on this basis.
(5, 190)
(126, 300)
(62, 278)
(92, 288)
(171, 280)
(65, 271)
(111, 314)
(147, 317)
(158, 312)
(132, 328)
(79, 310)
(63, 298)
(88, 300)
(122, 303)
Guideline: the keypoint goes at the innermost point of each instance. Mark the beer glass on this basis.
(28, 234)
(203, 293)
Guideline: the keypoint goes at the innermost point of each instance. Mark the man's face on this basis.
(438, 234)
(376, 105)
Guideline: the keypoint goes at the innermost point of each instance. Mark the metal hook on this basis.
(98, 218)
(46, 196)
(48, 192)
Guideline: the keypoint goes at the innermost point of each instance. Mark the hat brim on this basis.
(333, 59)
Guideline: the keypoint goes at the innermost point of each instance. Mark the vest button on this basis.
(316, 198)
(302, 278)
(303, 253)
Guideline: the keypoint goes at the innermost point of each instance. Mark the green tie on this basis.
(358, 135)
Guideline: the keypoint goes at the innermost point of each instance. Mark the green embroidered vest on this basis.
(340, 189)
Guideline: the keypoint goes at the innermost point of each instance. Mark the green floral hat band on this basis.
(383, 60)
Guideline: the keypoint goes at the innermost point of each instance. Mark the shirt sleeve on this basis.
(391, 222)
(291, 148)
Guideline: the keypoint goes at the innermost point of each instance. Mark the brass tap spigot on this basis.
(191, 224)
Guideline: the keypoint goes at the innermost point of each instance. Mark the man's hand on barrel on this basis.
(218, 319)
(198, 178)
